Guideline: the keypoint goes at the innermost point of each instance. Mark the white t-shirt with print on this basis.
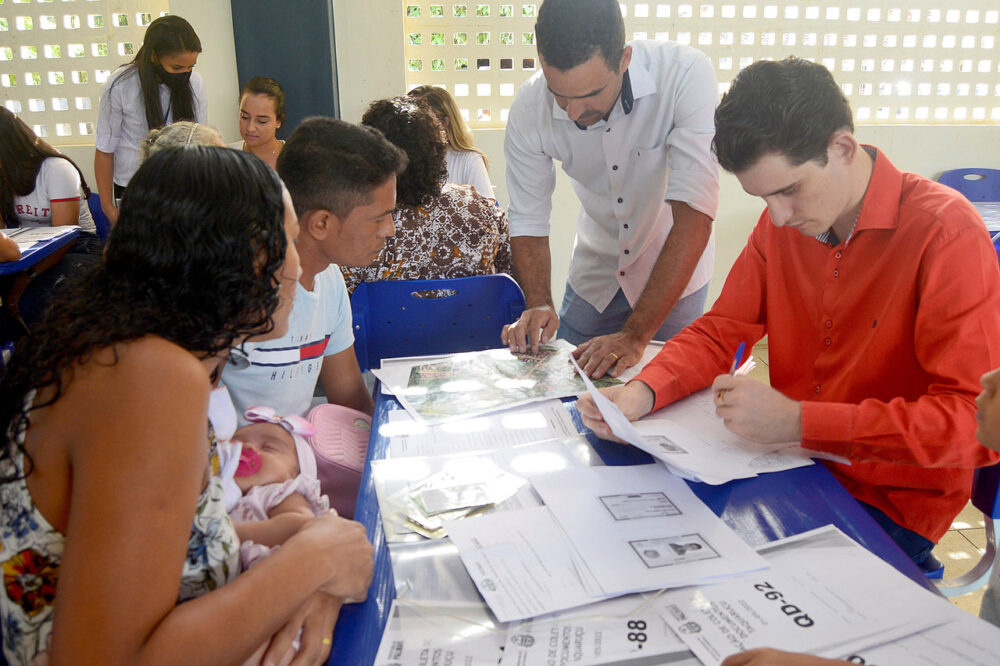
(283, 372)
(57, 180)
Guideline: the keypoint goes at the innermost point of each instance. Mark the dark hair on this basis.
(329, 164)
(191, 260)
(571, 32)
(445, 108)
(166, 36)
(791, 107)
(263, 85)
(411, 125)
(21, 156)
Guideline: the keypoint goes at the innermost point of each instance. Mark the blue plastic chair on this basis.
(986, 498)
(412, 318)
(976, 184)
(100, 219)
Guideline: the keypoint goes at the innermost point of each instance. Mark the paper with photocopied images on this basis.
(824, 594)
(475, 383)
(694, 444)
(641, 528)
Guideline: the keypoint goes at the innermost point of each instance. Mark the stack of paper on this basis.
(26, 237)
(694, 444)
(605, 531)
(824, 595)
(475, 383)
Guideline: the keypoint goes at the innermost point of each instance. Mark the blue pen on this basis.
(738, 358)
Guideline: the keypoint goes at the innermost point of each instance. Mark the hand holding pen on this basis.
(753, 409)
(720, 395)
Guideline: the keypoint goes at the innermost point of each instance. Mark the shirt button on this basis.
(828, 342)
(836, 272)
(625, 225)
(839, 254)
(816, 389)
(622, 273)
(626, 251)
(829, 323)
(607, 130)
(614, 168)
(620, 200)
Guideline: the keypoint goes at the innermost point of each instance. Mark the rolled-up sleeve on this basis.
(531, 175)
(109, 118)
(694, 172)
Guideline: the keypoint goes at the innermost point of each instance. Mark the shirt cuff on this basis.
(698, 190)
(828, 426)
(527, 226)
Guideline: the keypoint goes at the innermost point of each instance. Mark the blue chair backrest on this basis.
(975, 184)
(392, 318)
(100, 219)
(986, 490)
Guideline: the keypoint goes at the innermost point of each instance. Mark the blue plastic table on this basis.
(761, 509)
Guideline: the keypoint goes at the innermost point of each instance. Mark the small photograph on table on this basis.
(667, 551)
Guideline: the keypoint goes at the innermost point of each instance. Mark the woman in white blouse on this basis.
(157, 88)
(467, 165)
(39, 186)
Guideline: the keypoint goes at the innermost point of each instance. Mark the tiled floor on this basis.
(959, 549)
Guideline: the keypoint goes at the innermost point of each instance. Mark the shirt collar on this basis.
(636, 83)
(880, 207)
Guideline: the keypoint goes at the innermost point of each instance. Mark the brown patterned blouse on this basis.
(463, 233)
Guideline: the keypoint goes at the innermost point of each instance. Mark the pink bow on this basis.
(293, 424)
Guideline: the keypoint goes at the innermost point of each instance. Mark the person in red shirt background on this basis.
(879, 292)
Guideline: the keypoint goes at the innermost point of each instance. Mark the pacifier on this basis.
(249, 462)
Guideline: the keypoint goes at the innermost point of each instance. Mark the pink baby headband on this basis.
(298, 427)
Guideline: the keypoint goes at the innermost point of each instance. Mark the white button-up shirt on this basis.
(619, 169)
(121, 118)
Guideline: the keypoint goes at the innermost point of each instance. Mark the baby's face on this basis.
(276, 448)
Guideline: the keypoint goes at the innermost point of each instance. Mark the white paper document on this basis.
(623, 631)
(824, 595)
(965, 640)
(521, 562)
(439, 634)
(531, 423)
(693, 443)
(26, 237)
(641, 528)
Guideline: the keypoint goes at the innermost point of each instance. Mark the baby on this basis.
(276, 475)
(274, 488)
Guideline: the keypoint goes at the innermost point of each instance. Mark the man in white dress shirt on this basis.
(620, 118)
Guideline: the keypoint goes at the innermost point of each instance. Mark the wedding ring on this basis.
(721, 397)
(613, 355)
(327, 641)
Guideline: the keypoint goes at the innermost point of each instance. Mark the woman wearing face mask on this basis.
(157, 88)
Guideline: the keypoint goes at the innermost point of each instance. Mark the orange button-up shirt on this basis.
(883, 340)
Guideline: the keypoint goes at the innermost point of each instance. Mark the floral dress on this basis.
(462, 234)
(31, 550)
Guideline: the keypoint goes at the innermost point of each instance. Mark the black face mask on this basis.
(175, 80)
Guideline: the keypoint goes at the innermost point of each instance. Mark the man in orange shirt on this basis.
(879, 293)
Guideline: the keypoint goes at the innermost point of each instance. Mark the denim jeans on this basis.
(579, 321)
(916, 547)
